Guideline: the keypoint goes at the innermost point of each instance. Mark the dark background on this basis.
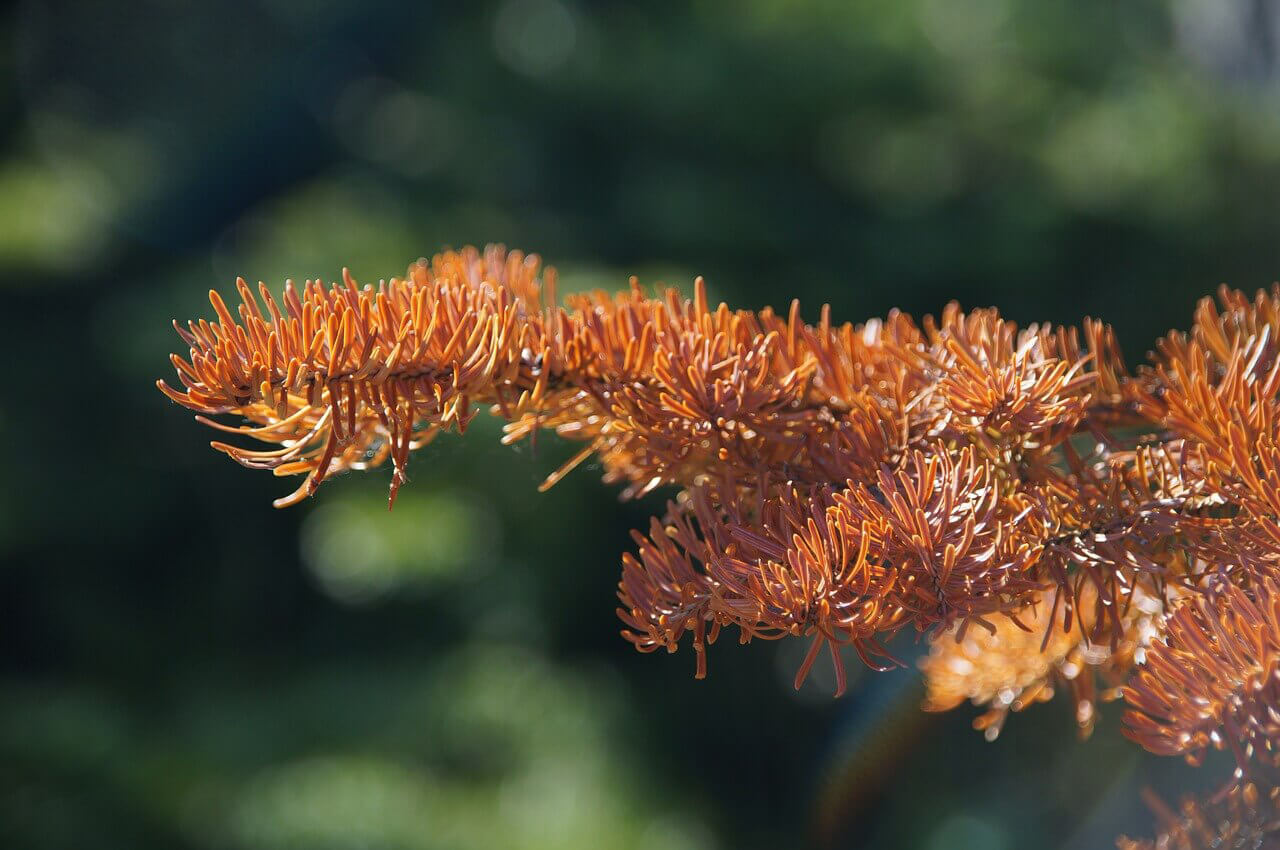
(183, 666)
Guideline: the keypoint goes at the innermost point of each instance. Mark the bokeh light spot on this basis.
(359, 551)
(534, 37)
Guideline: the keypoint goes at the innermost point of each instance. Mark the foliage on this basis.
(837, 482)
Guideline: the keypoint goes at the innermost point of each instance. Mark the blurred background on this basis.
(185, 667)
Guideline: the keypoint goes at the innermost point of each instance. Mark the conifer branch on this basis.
(1044, 515)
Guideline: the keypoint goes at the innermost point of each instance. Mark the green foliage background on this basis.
(182, 666)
